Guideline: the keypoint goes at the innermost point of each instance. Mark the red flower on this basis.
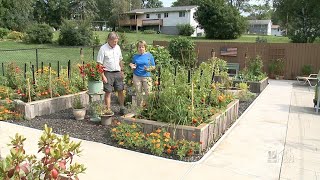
(92, 70)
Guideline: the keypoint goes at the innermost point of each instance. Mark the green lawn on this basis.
(52, 53)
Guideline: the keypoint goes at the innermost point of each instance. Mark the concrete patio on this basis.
(277, 137)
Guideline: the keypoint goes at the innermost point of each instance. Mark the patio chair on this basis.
(307, 79)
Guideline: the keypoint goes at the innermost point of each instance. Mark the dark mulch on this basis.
(63, 122)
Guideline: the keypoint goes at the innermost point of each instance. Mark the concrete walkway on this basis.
(276, 138)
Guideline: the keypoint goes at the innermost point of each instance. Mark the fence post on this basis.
(189, 75)
(93, 53)
(69, 69)
(33, 77)
(25, 70)
(41, 67)
(37, 60)
(2, 69)
(58, 69)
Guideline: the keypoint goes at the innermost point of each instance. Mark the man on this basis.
(110, 57)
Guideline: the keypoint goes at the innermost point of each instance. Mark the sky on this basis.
(168, 3)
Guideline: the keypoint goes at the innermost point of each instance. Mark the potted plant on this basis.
(106, 117)
(79, 111)
(92, 71)
(306, 70)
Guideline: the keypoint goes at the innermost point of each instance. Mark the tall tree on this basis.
(220, 20)
(52, 11)
(152, 3)
(301, 18)
(84, 9)
(135, 4)
(15, 14)
(184, 3)
(259, 12)
(239, 4)
(118, 8)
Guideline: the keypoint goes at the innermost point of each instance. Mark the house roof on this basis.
(259, 21)
(275, 26)
(163, 9)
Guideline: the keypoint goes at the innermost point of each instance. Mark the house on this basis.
(262, 27)
(163, 20)
(276, 31)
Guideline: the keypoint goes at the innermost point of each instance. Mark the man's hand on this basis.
(104, 79)
(122, 74)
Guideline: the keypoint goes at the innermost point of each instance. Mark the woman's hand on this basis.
(150, 68)
(133, 66)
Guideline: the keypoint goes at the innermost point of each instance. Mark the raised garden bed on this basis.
(48, 106)
(206, 133)
(255, 87)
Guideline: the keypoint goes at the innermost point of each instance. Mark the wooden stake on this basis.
(192, 100)
(50, 83)
(29, 90)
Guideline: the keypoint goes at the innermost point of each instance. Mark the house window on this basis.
(166, 15)
(182, 14)
(147, 15)
(159, 16)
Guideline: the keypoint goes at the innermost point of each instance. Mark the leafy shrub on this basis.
(75, 34)
(123, 41)
(124, 29)
(57, 158)
(183, 49)
(149, 31)
(306, 69)
(172, 102)
(15, 35)
(3, 32)
(185, 29)
(261, 39)
(96, 40)
(276, 67)
(39, 33)
(158, 142)
(245, 94)
(253, 72)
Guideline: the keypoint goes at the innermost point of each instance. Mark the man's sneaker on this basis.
(122, 111)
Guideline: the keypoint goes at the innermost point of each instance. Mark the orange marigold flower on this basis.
(158, 131)
(157, 145)
(169, 151)
(114, 130)
(193, 134)
(121, 143)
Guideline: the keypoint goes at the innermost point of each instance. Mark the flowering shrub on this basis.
(7, 110)
(91, 70)
(158, 142)
(56, 162)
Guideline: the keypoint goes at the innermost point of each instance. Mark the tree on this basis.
(220, 20)
(259, 12)
(15, 14)
(52, 12)
(84, 9)
(152, 3)
(239, 4)
(184, 3)
(300, 18)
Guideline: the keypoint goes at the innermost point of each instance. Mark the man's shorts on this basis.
(115, 81)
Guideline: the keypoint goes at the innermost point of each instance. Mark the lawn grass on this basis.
(52, 53)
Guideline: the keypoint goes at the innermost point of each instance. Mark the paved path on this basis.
(278, 137)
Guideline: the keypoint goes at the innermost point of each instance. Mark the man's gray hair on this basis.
(112, 35)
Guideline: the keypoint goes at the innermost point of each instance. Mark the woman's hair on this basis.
(143, 43)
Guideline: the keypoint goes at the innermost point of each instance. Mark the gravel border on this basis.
(63, 122)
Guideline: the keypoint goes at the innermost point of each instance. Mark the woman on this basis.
(142, 64)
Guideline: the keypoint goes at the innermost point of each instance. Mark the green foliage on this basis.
(178, 101)
(96, 40)
(3, 32)
(76, 102)
(276, 67)
(306, 69)
(39, 34)
(300, 18)
(220, 20)
(245, 94)
(123, 41)
(261, 39)
(185, 29)
(16, 15)
(183, 49)
(253, 72)
(75, 34)
(184, 3)
(57, 154)
(15, 35)
(152, 3)
(149, 31)
(158, 142)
